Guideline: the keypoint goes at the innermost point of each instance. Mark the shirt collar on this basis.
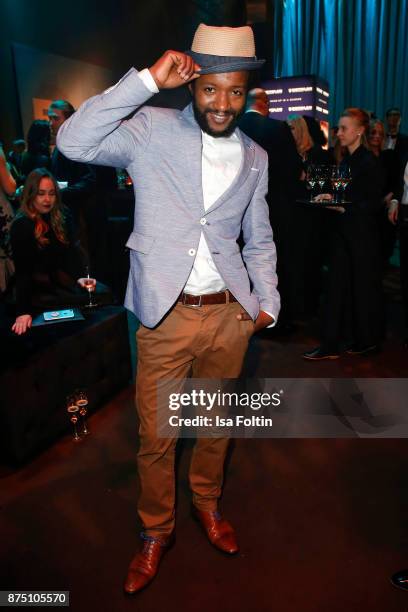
(222, 139)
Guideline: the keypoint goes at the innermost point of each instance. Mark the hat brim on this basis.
(210, 64)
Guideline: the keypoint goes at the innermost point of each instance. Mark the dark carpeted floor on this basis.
(321, 523)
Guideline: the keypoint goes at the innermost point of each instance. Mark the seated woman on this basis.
(48, 261)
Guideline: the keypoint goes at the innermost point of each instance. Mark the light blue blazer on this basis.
(161, 150)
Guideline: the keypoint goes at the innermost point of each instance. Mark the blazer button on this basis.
(203, 221)
(192, 252)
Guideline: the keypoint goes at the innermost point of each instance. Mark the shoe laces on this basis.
(149, 540)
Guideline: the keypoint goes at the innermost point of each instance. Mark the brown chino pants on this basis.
(205, 342)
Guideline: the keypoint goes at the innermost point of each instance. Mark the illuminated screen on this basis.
(300, 95)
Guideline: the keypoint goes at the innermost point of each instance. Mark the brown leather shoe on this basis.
(219, 531)
(144, 565)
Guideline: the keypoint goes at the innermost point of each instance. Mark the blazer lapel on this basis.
(248, 154)
(192, 143)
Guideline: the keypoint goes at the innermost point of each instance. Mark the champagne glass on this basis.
(90, 285)
(311, 179)
(345, 179)
(81, 401)
(73, 411)
(336, 183)
(322, 176)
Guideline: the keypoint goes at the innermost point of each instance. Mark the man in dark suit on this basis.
(284, 171)
(395, 139)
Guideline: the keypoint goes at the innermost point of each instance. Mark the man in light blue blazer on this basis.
(199, 182)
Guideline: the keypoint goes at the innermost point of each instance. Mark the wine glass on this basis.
(81, 401)
(73, 410)
(311, 179)
(336, 183)
(90, 286)
(345, 179)
(322, 176)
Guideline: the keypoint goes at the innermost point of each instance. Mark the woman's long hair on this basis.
(41, 226)
(377, 123)
(363, 119)
(301, 133)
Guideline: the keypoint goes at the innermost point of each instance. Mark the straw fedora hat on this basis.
(223, 49)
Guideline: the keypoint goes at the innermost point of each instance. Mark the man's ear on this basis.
(191, 88)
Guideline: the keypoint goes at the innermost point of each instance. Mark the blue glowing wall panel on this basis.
(300, 95)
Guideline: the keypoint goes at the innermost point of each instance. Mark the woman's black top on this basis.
(367, 183)
(40, 269)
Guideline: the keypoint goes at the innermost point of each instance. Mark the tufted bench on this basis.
(43, 367)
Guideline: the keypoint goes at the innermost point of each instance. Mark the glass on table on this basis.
(82, 401)
(73, 414)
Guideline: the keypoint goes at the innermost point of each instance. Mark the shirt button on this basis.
(203, 221)
(192, 252)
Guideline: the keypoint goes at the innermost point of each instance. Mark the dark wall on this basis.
(115, 34)
(112, 33)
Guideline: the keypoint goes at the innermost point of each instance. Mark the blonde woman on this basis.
(48, 261)
(301, 135)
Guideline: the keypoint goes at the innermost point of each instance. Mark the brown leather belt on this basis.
(222, 297)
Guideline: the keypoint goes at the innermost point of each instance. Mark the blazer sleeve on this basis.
(259, 252)
(98, 133)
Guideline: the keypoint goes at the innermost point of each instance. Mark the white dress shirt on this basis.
(390, 142)
(404, 199)
(221, 159)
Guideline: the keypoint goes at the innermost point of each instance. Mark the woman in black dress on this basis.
(353, 317)
(48, 261)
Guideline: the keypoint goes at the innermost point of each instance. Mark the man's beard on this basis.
(201, 118)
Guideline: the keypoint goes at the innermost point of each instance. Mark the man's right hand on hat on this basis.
(173, 69)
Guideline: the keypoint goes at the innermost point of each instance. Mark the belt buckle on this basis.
(192, 305)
